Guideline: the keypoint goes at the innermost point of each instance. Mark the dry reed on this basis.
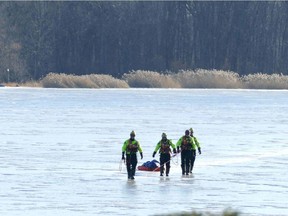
(53, 80)
(199, 78)
(150, 79)
(208, 79)
(265, 81)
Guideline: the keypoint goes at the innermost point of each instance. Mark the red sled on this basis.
(144, 168)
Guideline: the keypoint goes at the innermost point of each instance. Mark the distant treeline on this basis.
(115, 37)
(151, 79)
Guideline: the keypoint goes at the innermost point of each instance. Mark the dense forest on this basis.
(89, 37)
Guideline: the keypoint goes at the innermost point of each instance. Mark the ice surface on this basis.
(60, 151)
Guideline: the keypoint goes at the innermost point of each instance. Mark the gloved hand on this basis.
(141, 155)
(178, 150)
(174, 151)
(154, 153)
(199, 150)
(123, 157)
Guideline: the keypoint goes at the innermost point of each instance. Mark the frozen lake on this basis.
(60, 151)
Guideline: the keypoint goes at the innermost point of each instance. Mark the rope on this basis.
(120, 165)
(176, 163)
(172, 156)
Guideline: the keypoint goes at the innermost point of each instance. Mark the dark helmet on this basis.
(132, 134)
(187, 132)
(164, 135)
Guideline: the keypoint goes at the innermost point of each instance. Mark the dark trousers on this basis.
(131, 163)
(192, 160)
(185, 161)
(165, 159)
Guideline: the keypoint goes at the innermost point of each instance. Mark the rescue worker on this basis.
(193, 152)
(165, 146)
(131, 147)
(185, 143)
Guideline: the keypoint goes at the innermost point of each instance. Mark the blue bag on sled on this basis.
(150, 166)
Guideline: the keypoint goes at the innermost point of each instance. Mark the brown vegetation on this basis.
(226, 212)
(53, 80)
(150, 79)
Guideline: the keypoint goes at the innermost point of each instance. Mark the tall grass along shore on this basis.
(199, 78)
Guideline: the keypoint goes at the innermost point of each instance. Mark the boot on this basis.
(192, 164)
(161, 170)
(132, 173)
(129, 172)
(187, 170)
(191, 168)
(183, 170)
(167, 171)
(129, 175)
